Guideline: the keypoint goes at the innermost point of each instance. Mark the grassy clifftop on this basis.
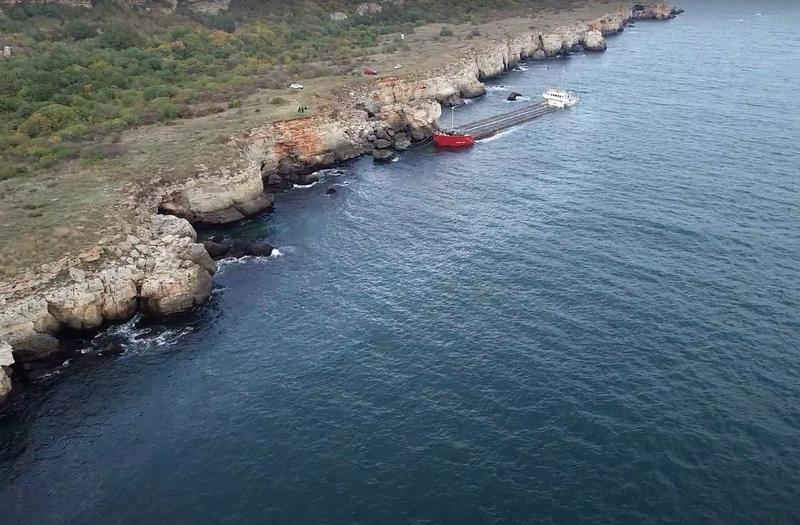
(79, 77)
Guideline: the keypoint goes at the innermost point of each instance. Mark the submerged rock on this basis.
(383, 155)
(216, 249)
(513, 96)
(451, 100)
(330, 191)
(242, 248)
(220, 248)
(110, 349)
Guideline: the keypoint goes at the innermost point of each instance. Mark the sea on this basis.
(590, 318)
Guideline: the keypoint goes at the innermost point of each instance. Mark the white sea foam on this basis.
(276, 253)
(306, 186)
(330, 172)
(231, 262)
(495, 137)
(132, 336)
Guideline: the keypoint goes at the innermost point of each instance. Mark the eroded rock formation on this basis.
(219, 197)
(157, 269)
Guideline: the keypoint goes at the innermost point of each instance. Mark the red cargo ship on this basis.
(454, 140)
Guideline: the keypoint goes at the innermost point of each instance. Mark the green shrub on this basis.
(120, 36)
(9, 104)
(278, 101)
(446, 31)
(220, 21)
(79, 30)
(48, 119)
(74, 132)
(169, 111)
(159, 91)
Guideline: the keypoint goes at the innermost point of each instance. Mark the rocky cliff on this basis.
(655, 11)
(157, 268)
(391, 111)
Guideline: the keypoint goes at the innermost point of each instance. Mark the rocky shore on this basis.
(156, 267)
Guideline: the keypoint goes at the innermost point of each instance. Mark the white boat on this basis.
(560, 98)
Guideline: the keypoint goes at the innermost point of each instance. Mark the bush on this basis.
(74, 132)
(278, 101)
(48, 119)
(119, 36)
(446, 31)
(221, 22)
(79, 30)
(9, 104)
(159, 91)
(170, 111)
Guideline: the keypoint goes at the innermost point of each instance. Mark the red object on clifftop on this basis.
(370, 71)
(443, 140)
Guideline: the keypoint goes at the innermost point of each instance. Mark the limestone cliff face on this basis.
(657, 11)
(158, 269)
(219, 197)
(297, 145)
(408, 104)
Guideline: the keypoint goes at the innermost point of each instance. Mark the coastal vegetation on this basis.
(79, 77)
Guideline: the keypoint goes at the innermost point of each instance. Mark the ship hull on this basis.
(453, 141)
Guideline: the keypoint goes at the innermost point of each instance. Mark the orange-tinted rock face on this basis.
(657, 11)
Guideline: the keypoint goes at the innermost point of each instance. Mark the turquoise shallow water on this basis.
(592, 318)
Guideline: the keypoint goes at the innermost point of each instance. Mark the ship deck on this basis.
(489, 126)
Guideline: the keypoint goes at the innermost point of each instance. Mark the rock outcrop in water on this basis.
(157, 267)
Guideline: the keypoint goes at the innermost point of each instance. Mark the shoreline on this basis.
(157, 268)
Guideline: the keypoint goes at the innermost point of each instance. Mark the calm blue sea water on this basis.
(593, 318)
